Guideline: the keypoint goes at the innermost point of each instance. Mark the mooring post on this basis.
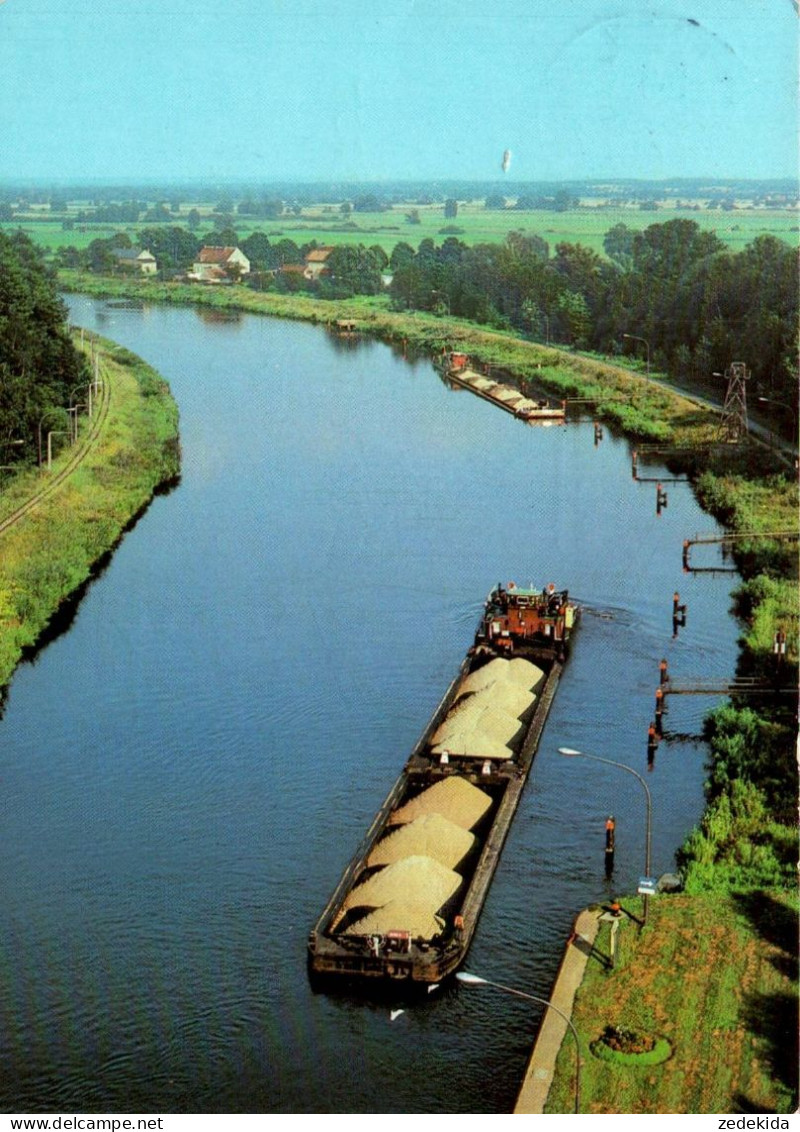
(659, 712)
(663, 674)
(652, 744)
(678, 614)
(634, 458)
(661, 498)
(598, 433)
(610, 828)
(686, 556)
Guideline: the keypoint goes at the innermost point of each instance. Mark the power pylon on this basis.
(733, 425)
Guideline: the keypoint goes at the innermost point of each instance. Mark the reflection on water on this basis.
(211, 316)
(188, 769)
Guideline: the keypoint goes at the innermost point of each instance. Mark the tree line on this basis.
(39, 366)
(673, 295)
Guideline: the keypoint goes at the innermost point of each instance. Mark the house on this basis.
(316, 262)
(135, 259)
(213, 265)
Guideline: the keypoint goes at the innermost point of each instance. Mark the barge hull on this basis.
(335, 950)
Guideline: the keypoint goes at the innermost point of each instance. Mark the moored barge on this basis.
(407, 905)
(456, 369)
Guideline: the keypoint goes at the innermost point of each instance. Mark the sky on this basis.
(377, 90)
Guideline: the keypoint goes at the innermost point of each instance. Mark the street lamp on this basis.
(570, 752)
(636, 338)
(783, 405)
(477, 981)
(39, 428)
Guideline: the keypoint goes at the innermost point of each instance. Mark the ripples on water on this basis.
(187, 770)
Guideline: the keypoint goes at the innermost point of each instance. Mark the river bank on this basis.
(742, 487)
(733, 1036)
(739, 486)
(50, 552)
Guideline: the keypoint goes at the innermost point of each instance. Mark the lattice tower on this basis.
(733, 425)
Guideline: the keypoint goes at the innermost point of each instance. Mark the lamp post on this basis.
(636, 338)
(570, 752)
(783, 405)
(477, 981)
(39, 429)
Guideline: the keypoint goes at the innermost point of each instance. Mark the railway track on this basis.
(81, 450)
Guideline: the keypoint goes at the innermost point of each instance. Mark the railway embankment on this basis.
(58, 523)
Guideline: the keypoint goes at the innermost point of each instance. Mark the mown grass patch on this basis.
(733, 1036)
(50, 552)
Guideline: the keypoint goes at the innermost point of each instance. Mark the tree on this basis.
(450, 208)
(354, 269)
(618, 244)
(495, 201)
(38, 363)
(402, 255)
(258, 250)
(413, 217)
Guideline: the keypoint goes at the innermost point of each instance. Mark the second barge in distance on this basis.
(407, 905)
(455, 367)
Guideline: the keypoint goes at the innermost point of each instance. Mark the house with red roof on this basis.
(215, 265)
(316, 262)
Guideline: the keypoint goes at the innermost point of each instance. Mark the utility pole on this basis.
(733, 426)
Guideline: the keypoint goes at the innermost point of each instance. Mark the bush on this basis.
(628, 1047)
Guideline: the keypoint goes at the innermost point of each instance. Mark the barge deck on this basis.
(407, 906)
(456, 370)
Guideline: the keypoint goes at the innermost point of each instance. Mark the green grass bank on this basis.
(50, 551)
(733, 1035)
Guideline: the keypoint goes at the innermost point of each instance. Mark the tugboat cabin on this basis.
(517, 616)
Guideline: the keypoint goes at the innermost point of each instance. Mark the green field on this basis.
(586, 225)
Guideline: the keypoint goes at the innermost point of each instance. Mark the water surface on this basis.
(187, 770)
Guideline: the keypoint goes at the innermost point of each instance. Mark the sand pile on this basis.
(430, 835)
(399, 916)
(454, 798)
(485, 720)
(416, 880)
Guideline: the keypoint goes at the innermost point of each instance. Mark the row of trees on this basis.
(681, 296)
(39, 366)
(688, 301)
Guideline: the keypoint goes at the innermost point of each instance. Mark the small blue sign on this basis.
(647, 886)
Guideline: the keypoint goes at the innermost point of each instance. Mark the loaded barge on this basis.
(456, 369)
(407, 905)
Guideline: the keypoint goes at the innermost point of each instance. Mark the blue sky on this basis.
(374, 90)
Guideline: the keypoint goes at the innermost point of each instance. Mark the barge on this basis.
(408, 903)
(456, 369)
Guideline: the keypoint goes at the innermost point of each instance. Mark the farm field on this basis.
(474, 224)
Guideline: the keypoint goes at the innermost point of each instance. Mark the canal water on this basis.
(189, 766)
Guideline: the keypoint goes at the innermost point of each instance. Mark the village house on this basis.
(136, 259)
(316, 262)
(214, 265)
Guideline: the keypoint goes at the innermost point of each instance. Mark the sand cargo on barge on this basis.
(408, 903)
(456, 369)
